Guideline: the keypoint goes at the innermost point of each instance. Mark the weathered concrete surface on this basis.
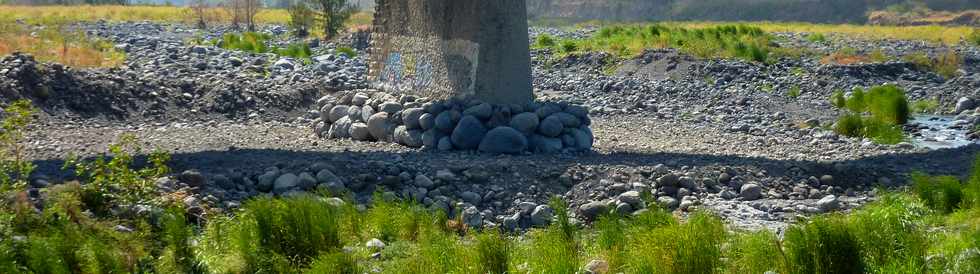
(453, 48)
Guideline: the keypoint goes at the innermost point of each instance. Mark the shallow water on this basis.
(939, 133)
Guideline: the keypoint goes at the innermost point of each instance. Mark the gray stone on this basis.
(390, 107)
(374, 244)
(583, 139)
(623, 209)
(266, 181)
(360, 98)
(468, 133)
(430, 139)
(354, 113)
(410, 117)
(445, 144)
(482, 111)
(964, 104)
(360, 132)
(503, 140)
(668, 202)
(409, 138)
(828, 203)
(592, 210)
(547, 110)
(750, 192)
(470, 197)
(306, 180)
(338, 112)
(568, 120)
(541, 216)
(472, 217)
(724, 178)
(223, 182)
(326, 176)
(366, 112)
(632, 198)
(525, 122)
(285, 183)
(827, 180)
(444, 122)
(551, 127)
(545, 145)
(192, 178)
(511, 222)
(340, 128)
(423, 181)
(378, 126)
(669, 179)
(727, 194)
(427, 121)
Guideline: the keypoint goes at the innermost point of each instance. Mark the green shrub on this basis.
(544, 41)
(350, 52)
(882, 132)
(729, 41)
(823, 245)
(971, 191)
(114, 181)
(793, 92)
(178, 255)
(14, 166)
(298, 51)
(816, 38)
(879, 56)
(850, 125)
(941, 193)
(611, 239)
(755, 252)
(837, 99)
(555, 249)
(856, 103)
(568, 46)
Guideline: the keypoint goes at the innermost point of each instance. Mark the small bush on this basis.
(823, 245)
(941, 193)
(335, 262)
(545, 41)
(816, 38)
(878, 56)
(793, 92)
(850, 125)
(350, 52)
(893, 238)
(856, 103)
(888, 103)
(555, 249)
(14, 166)
(611, 239)
(692, 247)
(298, 51)
(946, 64)
(837, 99)
(114, 181)
(568, 46)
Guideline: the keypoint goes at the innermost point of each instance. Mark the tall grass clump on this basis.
(254, 42)
(974, 37)
(877, 114)
(941, 193)
(544, 41)
(691, 247)
(725, 41)
(755, 252)
(946, 64)
(61, 44)
(555, 249)
(892, 235)
(925, 106)
(611, 240)
(816, 38)
(823, 245)
(493, 252)
(14, 166)
(176, 235)
(272, 235)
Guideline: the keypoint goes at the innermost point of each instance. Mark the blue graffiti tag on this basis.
(423, 74)
(394, 68)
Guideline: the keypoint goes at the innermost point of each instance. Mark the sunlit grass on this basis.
(65, 14)
(932, 33)
(53, 44)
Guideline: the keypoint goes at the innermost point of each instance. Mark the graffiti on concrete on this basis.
(429, 66)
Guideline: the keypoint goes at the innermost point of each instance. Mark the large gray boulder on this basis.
(468, 133)
(285, 183)
(525, 122)
(340, 129)
(338, 112)
(378, 125)
(546, 145)
(503, 140)
(750, 192)
(551, 126)
(410, 117)
(360, 132)
(408, 137)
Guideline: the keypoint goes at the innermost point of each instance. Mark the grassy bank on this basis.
(66, 14)
(93, 227)
(54, 44)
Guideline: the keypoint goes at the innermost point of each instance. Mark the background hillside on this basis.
(822, 11)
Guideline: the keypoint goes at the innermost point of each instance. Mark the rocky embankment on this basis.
(717, 134)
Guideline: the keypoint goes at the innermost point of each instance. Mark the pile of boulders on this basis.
(536, 127)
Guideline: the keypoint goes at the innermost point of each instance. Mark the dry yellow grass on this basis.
(54, 46)
(62, 14)
(931, 33)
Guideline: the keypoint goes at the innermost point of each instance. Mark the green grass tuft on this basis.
(823, 245)
(925, 106)
(816, 38)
